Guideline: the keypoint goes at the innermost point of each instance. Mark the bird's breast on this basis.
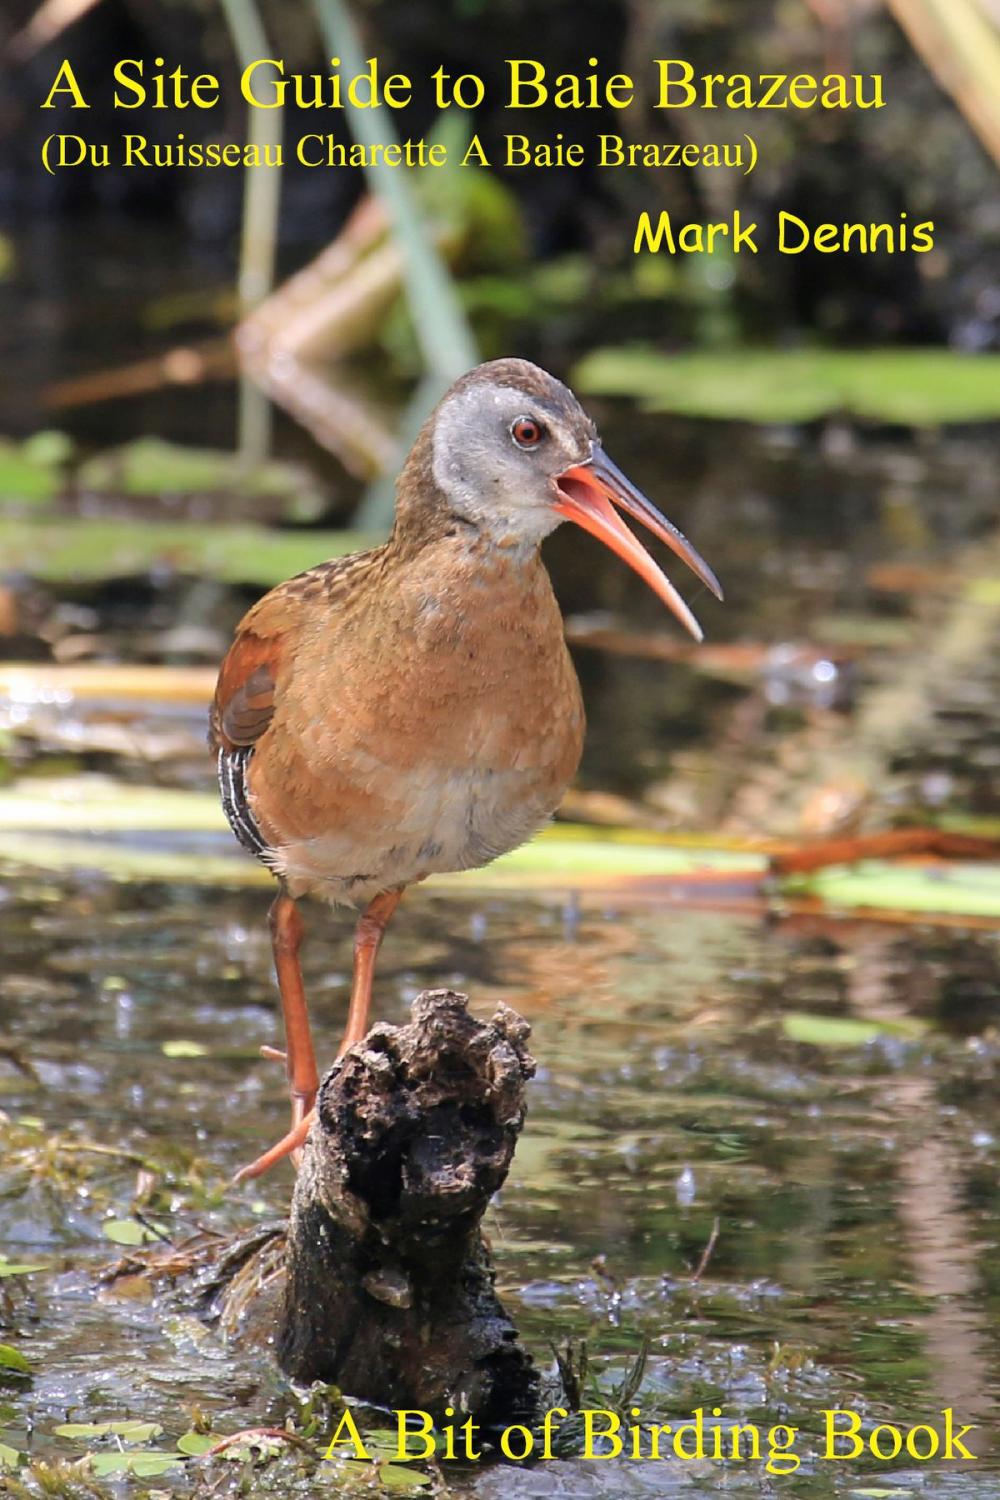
(432, 732)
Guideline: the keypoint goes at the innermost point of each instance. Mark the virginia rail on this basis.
(414, 708)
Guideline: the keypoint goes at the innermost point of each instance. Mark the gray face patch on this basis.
(504, 489)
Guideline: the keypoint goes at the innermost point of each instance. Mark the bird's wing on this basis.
(251, 673)
(248, 677)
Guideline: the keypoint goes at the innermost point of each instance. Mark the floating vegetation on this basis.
(970, 890)
(915, 387)
(150, 468)
(31, 473)
(77, 551)
(100, 824)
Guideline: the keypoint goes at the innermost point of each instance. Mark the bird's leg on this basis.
(368, 937)
(286, 925)
(300, 1060)
(367, 940)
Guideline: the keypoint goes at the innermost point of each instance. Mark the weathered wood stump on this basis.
(389, 1289)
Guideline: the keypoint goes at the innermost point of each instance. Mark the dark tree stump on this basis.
(389, 1291)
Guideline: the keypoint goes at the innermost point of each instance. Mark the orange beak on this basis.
(585, 491)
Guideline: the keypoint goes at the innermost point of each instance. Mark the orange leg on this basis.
(300, 1059)
(367, 941)
(368, 937)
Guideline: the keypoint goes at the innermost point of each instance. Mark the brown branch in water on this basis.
(706, 1254)
(895, 843)
(13, 1055)
(254, 1437)
(188, 365)
(292, 344)
(739, 660)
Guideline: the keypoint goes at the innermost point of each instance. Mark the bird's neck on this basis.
(422, 511)
(425, 516)
(506, 537)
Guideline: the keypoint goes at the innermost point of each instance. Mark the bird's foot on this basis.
(302, 1108)
(289, 1145)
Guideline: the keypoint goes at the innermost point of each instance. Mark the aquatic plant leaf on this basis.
(27, 476)
(11, 1268)
(147, 1465)
(395, 1477)
(149, 466)
(72, 549)
(564, 850)
(182, 1048)
(893, 1494)
(381, 1443)
(142, 1465)
(968, 890)
(9, 1457)
(845, 1031)
(13, 1359)
(130, 863)
(194, 1444)
(984, 591)
(130, 1430)
(922, 387)
(128, 1232)
(96, 805)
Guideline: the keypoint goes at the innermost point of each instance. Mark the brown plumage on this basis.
(414, 708)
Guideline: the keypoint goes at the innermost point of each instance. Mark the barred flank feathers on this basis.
(232, 769)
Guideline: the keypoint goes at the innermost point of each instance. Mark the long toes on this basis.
(289, 1144)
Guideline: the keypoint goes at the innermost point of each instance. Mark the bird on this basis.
(413, 709)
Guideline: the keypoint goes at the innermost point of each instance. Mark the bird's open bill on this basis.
(588, 493)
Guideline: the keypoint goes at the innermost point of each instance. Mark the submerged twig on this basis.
(706, 1254)
(254, 1436)
(189, 364)
(895, 843)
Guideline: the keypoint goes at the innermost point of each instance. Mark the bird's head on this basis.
(512, 451)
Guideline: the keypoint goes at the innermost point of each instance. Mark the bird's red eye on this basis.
(526, 432)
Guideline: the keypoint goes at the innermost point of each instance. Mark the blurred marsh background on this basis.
(761, 1165)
